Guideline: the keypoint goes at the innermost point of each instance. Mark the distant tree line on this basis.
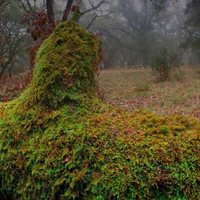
(133, 33)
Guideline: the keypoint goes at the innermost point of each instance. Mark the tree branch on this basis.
(93, 7)
(92, 21)
(27, 7)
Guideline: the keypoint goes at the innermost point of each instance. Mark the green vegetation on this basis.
(164, 64)
(59, 141)
(161, 66)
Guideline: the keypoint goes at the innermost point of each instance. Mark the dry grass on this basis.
(136, 89)
(11, 87)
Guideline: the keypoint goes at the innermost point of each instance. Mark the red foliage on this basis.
(39, 29)
(32, 54)
(38, 26)
(11, 87)
(75, 8)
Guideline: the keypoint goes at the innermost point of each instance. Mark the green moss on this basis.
(59, 141)
(65, 69)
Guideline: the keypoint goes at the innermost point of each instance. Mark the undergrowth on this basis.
(59, 141)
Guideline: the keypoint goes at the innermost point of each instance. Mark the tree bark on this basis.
(50, 11)
(67, 10)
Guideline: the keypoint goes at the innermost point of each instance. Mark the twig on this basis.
(93, 7)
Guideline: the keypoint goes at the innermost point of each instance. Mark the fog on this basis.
(133, 32)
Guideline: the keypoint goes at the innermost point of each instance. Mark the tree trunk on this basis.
(67, 10)
(50, 11)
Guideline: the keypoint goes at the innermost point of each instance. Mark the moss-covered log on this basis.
(59, 141)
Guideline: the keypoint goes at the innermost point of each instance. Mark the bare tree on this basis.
(159, 4)
(11, 40)
(94, 7)
(132, 29)
(30, 9)
(79, 3)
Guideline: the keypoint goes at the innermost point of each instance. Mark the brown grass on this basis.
(136, 89)
(11, 87)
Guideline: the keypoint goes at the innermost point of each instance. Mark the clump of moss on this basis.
(59, 141)
(65, 68)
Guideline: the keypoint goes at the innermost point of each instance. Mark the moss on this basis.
(65, 69)
(59, 141)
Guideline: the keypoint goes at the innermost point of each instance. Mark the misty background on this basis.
(133, 32)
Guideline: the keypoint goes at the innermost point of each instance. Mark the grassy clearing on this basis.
(137, 89)
(134, 89)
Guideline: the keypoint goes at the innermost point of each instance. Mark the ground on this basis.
(137, 89)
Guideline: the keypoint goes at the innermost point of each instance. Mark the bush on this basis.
(59, 141)
(161, 66)
(164, 64)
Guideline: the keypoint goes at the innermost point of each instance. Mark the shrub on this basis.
(161, 66)
(164, 63)
(59, 141)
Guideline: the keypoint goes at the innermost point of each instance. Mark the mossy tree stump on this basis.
(59, 141)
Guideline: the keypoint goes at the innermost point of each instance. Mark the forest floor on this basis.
(134, 89)
(11, 87)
